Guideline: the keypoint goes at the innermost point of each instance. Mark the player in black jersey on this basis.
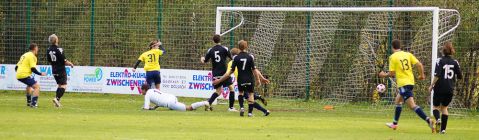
(56, 57)
(445, 74)
(218, 55)
(247, 76)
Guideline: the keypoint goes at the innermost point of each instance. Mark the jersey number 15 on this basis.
(448, 72)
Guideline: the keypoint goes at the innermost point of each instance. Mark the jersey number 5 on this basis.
(448, 72)
(217, 56)
(52, 56)
(405, 64)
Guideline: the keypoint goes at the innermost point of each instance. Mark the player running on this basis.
(246, 77)
(445, 74)
(152, 63)
(56, 57)
(218, 55)
(400, 66)
(234, 52)
(161, 99)
(24, 68)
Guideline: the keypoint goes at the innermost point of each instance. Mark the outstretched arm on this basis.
(383, 74)
(223, 78)
(260, 77)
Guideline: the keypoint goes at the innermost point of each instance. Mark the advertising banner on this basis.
(117, 80)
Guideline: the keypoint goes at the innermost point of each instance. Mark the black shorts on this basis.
(61, 78)
(441, 99)
(246, 88)
(225, 83)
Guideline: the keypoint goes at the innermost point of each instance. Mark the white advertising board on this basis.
(117, 80)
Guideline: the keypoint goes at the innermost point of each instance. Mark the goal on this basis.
(333, 54)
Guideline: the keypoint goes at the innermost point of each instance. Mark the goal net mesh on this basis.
(334, 57)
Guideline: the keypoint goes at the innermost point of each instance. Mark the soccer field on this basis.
(107, 116)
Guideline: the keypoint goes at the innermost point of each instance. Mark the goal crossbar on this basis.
(435, 19)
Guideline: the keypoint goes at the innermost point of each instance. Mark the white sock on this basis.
(199, 104)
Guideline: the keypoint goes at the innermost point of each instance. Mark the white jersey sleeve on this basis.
(159, 98)
(147, 101)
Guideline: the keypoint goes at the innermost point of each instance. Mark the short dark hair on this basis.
(33, 46)
(396, 44)
(145, 87)
(217, 38)
(448, 49)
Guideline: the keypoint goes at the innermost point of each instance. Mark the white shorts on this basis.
(177, 106)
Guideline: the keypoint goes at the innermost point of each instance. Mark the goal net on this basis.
(332, 55)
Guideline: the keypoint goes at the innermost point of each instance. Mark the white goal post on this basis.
(436, 36)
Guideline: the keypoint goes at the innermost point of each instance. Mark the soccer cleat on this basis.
(392, 125)
(250, 114)
(28, 104)
(267, 113)
(432, 124)
(56, 103)
(34, 106)
(438, 126)
(442, 132)
(241, 112)
(232, 109)
(261, 98)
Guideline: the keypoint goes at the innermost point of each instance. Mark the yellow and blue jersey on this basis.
(25, 65)
(151, 59)
(401, 63)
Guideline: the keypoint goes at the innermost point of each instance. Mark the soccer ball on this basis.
(381, 88)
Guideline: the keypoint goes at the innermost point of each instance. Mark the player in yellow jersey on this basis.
(25, 66)
(231, 96)
(152, 63)
(400, 66)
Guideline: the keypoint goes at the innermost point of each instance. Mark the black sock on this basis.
(250, 108)
(232, 98)
(34, 100)
(60, 92)
(257, 96)
(241, 101)
(213, 98)
(444, 122)
(435, 112)
(421, 114)
(29, 98)
(397, 114)
(259, 107)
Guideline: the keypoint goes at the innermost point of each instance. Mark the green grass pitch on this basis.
(106, 116)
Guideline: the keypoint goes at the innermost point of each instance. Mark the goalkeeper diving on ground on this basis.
(163, 99)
